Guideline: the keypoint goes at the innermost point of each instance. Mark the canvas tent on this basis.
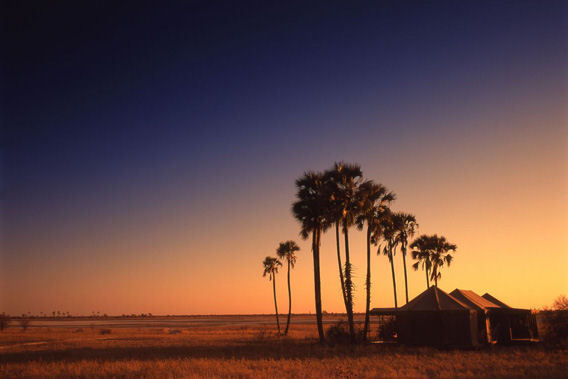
(460, 318)
(434, 318)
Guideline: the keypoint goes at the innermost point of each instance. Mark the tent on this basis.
(460, 318)
(434, 318)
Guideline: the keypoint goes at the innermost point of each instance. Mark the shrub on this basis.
(387, 328)
(554, 327)
(338, 334)
(554, 323)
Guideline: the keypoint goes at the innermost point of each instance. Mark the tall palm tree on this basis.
(344, 179)
(405, 227)
(311, 210)
(373, 200)
(334, 212)
(389, 236)
(271, 269)
(421, 254)
(287, 251)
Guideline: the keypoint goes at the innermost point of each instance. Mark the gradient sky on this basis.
(149, 154)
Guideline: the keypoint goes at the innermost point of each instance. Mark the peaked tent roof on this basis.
(495, 301)
(473, 300)
(426, 301)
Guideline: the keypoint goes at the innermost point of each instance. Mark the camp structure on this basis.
(460, 318)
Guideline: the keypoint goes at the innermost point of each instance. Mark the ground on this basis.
(245, 347)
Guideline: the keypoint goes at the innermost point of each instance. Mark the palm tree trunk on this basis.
(403, 248)
(289, 302)
(317, 283)
(349, 286)
(275, 303)
(393, 282)
(436, 289)
(368, 284)
(427, 278)
(341, 278)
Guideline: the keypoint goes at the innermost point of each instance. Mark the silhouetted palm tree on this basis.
(389, 236)
(373, 200)
(421, 254)
(286, 251)
(335, 212)
(346, 178)
(438, 250)
(271, 269)
(405, 225)
(311, 210)
(440, 255)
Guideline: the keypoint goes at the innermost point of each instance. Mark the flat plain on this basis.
(243, 346)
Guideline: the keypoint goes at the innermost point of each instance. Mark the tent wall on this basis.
(439, 328)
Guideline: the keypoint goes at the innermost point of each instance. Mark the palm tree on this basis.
(405, 227)
(373, 200)
(422, 255)
(335, 213)
(346, 179)
(389, 236)
(271, 269)
(433, 252)
(440, 255)
(311, 210)
(286, 251)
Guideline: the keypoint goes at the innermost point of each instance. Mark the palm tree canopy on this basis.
(342, 182)
(421, 252)
(433, 251)
(270, 266)
(312, 207)
(286, 250)
(372, 198)
(405, 226)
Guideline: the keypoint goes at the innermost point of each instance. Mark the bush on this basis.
(554, 323)
(387, 328)
(338, 334)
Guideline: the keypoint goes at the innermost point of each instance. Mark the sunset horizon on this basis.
(149, 166)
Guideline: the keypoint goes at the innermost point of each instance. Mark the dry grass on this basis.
(249, 351)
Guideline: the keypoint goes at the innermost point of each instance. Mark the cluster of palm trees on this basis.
(340, 197)
(286, 251)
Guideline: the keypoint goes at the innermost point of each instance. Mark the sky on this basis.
(148, 153)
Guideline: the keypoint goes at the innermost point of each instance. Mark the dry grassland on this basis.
(249, 351)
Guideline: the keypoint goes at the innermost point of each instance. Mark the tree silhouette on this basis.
(438, 249)
(421, 254)
(287, 251)
(440, 255)
(345, 179)
(389, 236)
(373, 201)
(311, 210)
(271, 269)
(405, 227)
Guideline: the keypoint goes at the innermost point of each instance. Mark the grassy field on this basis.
(249, 351)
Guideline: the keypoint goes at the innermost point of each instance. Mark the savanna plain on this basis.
(245, 346)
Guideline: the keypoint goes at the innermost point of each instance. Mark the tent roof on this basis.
(473, 300)
(495, 301)
(426, 301)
